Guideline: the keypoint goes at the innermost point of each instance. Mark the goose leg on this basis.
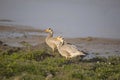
(53, 50)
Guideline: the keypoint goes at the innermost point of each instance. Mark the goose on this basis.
(50, 40)
(67, 50)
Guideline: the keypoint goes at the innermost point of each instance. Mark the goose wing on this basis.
(65, 53)
(70, 48)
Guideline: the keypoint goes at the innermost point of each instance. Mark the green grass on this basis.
(38, 64)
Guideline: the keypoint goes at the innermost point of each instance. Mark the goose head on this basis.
(49, 30)
(60, 38)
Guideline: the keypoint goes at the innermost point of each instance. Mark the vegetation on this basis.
(42, 65)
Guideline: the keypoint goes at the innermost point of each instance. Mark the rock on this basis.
(1, 42)
(89, 39)
(49, 76)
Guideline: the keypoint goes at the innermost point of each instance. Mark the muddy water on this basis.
(99, 49)
(14, 38)
(94, 48)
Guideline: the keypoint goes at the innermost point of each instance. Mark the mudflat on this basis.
(15, 37)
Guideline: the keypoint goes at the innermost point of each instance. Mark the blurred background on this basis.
(70, 18)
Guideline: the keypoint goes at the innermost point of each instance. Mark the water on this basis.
(69, 18)
(9, 34)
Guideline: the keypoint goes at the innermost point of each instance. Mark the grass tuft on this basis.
(41, 65)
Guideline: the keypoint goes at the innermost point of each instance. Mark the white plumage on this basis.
(67, 50)
(50, 40)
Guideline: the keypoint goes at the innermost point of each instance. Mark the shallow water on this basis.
(10, 34)
(93, 49)
(6, 35)
(14, 44)
(99, 49)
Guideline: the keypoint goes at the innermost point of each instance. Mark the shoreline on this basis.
(94, 46)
